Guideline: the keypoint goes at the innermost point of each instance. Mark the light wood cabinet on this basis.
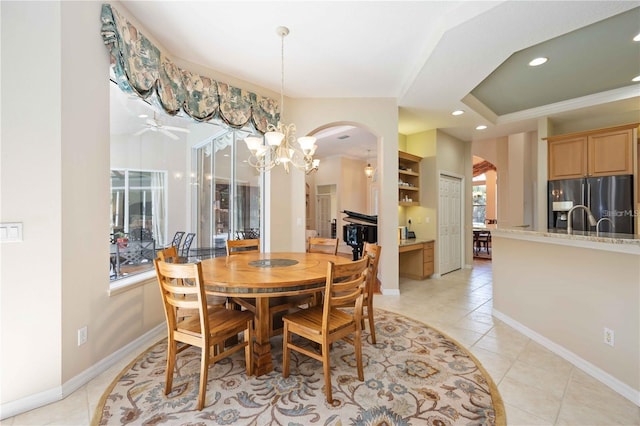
(416, 260)
(427, 257)
(568, 158)
(408, 179)
(603, 152)
(611, 153)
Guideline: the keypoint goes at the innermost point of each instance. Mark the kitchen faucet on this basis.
(592, 220)
(600, 221)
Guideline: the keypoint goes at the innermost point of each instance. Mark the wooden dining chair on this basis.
(168, 252)
(323, 245)
(207, 331)
(325, 324)
(213, 302)
(243, 246)
(373, 252)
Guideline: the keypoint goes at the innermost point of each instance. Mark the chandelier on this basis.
(279, 144)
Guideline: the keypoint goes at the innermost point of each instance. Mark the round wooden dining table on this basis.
(262, 276)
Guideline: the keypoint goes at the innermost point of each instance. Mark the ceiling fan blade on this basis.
(168, 134)
(176, 129)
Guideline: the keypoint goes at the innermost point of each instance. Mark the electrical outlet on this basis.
(609, 337)
(426, 219)
(82, 335)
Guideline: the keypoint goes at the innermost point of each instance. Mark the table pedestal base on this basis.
(262, 362)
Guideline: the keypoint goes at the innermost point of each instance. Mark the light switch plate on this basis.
(10, 232)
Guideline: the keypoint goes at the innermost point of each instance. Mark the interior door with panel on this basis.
(450, 224)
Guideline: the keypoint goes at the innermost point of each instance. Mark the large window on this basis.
(138, 220)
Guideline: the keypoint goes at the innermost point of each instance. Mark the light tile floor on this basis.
(537, 386)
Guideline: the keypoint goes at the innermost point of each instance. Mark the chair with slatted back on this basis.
(323, 245)
(186, 246)
(325, 324)
(213, 302)
(243, 246)
(373, 252)
(168, 252)
(206, 330)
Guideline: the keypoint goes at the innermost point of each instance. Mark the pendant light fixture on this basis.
(368, 170)
(279, 144)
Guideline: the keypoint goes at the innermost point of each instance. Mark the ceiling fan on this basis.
(155, 125)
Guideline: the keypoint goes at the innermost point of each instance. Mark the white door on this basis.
(450, 224)
(323, 215)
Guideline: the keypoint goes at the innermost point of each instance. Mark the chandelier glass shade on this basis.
(368, 171)
(280, 146)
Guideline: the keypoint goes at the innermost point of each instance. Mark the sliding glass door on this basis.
(226, 192)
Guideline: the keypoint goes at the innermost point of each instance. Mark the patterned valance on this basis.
(141, 68)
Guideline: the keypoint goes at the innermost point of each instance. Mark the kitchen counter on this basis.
(622, 243)
(563, 291)
(412, 241)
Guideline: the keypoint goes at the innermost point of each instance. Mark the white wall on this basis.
(31, 193)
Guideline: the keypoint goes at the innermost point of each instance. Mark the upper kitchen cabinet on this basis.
(408, 179)
(603, 152)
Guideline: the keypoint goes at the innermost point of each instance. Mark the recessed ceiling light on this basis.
(457, 112)
(143, 116)
(637, 38)
(636, 78)
(481, 127)
(538, 61)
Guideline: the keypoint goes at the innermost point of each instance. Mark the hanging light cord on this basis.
(283, 31)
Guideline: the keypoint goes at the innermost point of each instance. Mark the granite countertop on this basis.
(412, 241)
(603, 240)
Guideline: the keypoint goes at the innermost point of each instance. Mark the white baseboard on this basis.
(597, 373)
(390, 292)
(58, 393)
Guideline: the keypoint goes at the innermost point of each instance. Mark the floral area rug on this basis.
(414, 375)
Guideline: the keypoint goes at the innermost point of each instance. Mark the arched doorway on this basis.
(344, 151)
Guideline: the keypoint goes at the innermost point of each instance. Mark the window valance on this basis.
(141, 68)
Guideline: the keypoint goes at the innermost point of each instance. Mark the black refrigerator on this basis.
(607, 197)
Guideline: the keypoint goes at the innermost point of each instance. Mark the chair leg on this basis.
(327, 372)
(204, 370)
(357, 343)
(372, 328)
(172, 349)
(286, 338)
